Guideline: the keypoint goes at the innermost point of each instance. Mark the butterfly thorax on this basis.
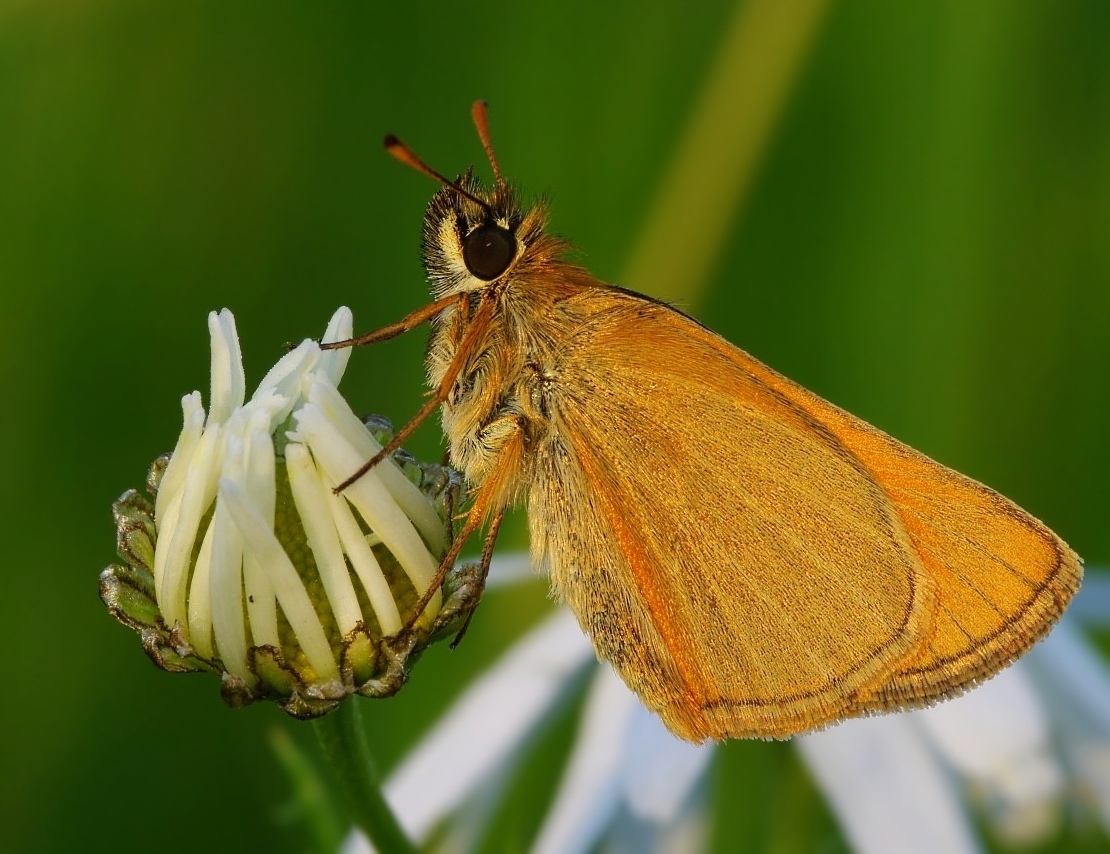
(526, 317)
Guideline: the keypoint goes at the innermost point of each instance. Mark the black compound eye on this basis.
(488, 250)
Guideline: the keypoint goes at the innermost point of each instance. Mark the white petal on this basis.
(259, 538)
(260, 465)
(886, 789)
(174, 550)
(590, 790)
(365, 565)
(228, 380)
(226, 588)
(285, 377)
(1092, 603)
(313, 507)
(334, 362)
(1075, 686)
(509, 569)
(997, 735)
(356, 842)
(687, 832)
(483, 729)
(411, 500)
(660, 771)
(168, 521)
(336, 458)
(173, 479)
(200, 598)
(268, 409)
(1078, 678)
(259, 484)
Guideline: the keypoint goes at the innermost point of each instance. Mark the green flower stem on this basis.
(312, 802)
(343, 739)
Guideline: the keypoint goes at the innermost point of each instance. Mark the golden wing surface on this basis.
(1002, 577)
(771, 563)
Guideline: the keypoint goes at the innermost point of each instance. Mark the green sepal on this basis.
(128, 591)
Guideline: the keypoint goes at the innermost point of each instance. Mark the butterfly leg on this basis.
(490, 502)
(483, 568)
(405, 324)
(478, 326)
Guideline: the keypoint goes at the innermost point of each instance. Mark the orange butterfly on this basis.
(751, 559)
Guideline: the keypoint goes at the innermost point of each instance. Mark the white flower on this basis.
(1014, 751)
(259, 570)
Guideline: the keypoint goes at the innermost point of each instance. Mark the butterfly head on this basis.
(472, 236)
(476, 237)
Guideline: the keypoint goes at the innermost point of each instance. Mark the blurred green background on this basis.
(926, 243)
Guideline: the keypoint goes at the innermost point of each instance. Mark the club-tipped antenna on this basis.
(407, 156)
(479, 113)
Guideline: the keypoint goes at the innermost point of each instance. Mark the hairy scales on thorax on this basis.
(509, 379)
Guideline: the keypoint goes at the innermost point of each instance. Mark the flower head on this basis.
(248, 564)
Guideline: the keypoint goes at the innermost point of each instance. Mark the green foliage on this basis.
(924, 244)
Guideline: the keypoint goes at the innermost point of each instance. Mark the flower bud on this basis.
(242, 560)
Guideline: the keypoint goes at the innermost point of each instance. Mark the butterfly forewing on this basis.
(758, 560)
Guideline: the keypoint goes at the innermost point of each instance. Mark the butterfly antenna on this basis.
(407, 156)
(478, 112)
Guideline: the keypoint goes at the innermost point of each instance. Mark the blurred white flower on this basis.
(1012, 751)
